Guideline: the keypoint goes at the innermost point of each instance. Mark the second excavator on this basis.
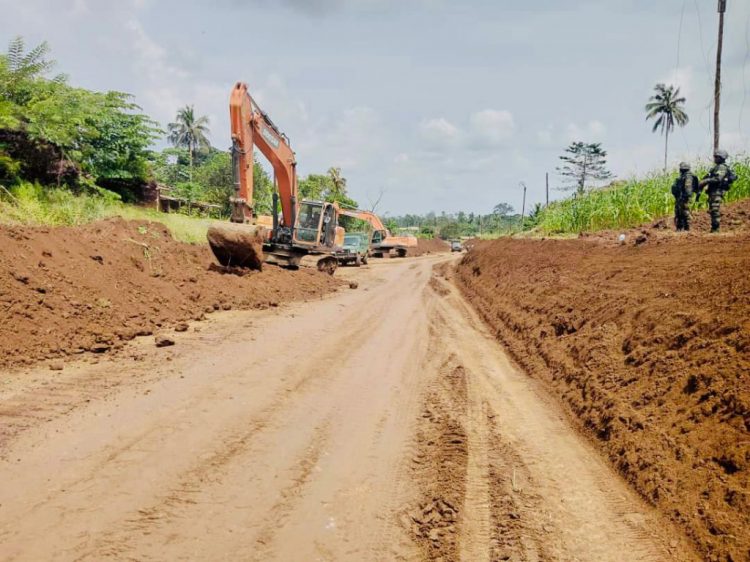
(306, 231)
(382, 242)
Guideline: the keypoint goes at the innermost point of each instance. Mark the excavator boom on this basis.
(252, 127)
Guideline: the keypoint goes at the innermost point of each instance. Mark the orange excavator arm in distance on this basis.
(252, 127)
(367, 216)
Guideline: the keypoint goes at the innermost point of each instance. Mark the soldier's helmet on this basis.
(684, 167)
(721, 154)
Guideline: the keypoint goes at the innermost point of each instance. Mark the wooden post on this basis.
(717, 83)
(546, 181)
(523, 205)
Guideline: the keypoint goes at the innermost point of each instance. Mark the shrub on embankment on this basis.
(630, 203)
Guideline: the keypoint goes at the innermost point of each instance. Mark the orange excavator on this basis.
(382, 242)
(307, 232)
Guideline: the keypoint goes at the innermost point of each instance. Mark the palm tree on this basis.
(190, 132)
(338, 181)
(667, 107)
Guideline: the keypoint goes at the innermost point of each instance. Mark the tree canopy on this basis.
(583, 163)
(666, 107)
(104, 134)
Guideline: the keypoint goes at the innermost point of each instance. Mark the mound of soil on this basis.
(648, 346)
(429, 246)
(734, 218)
(65, 291)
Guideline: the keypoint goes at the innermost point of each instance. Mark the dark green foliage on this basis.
(583, 162)
(102, 135)
(501, 210)
(450, 230)
(190, 132)
(455, 225)
(329, 187)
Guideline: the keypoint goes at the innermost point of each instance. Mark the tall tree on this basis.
(190, 132)
(667, 107)
(503, 209)
(338, 182)
(584, 162)
(23, 69)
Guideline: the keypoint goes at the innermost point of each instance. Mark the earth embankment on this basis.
(648, 347)
(66, 291)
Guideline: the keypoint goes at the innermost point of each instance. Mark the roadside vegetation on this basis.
(69, 155)
(628, 203)
(31, 204)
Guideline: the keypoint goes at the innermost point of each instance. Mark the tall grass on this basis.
(32, 204)
(630, 203)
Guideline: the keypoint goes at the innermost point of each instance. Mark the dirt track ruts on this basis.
(382, 423)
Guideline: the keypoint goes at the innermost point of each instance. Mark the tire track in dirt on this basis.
(499, 518)
(279, 512)
(439, 466)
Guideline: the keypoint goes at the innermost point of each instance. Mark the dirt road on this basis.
(382, 423)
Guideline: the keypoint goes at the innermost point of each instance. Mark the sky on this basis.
(426, 105)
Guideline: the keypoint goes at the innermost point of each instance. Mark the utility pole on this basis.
(717, 84)
(546, 181)
(523, 205)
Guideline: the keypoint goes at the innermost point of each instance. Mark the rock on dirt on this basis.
(144, 280)
(163, 341)
(649, 349)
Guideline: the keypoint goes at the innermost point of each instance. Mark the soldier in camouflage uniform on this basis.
(716, 183)
(682, 189)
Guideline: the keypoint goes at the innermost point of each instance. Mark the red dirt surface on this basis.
(66, 291)
(429, 246)
(648, 347)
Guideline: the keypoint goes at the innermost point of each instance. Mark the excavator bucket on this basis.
(238, 245)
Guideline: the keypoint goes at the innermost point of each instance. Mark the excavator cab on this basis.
(316, 224)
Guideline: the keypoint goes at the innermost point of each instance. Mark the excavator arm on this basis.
(252, 127)
(367, 216)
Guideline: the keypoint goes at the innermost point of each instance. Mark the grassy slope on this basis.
(28, 204)
(629, 204)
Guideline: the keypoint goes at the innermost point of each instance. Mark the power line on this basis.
(677, 65)
(744, 79)
(679, 36)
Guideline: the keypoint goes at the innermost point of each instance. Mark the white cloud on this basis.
(545, 137)
(593, 131)
(492, 127)
(682, 78)
(439, 133)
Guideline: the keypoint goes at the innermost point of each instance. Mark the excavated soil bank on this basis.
(66, 291)
(648, 346)
(429, 246)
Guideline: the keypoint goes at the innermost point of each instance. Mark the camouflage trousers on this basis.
(682, 214)
(715, 199)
